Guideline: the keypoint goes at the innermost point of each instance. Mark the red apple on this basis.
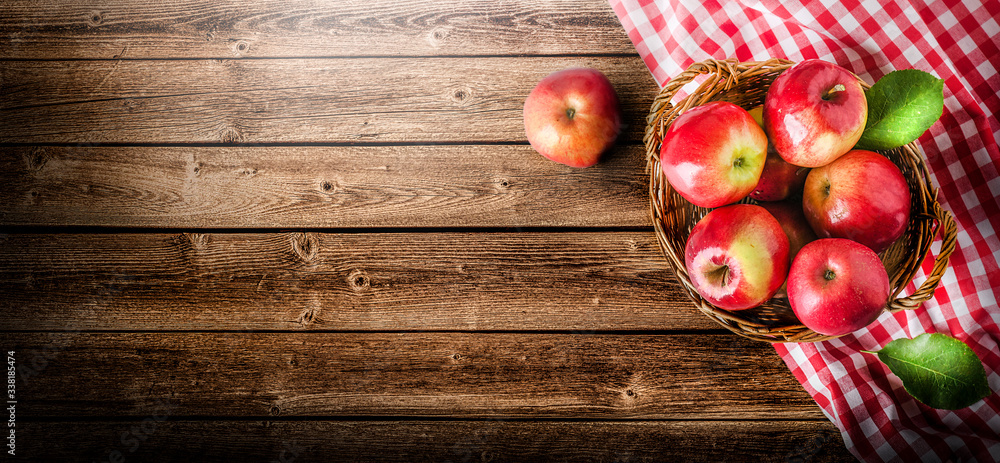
(793, 222)
(814, 112)
(737, 256)
(861, 196)
(837, 286)
(779, 179)
(572, 116)
(713, 154)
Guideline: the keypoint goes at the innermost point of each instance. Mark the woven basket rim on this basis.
(669, 211)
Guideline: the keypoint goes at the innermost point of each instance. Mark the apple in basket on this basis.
(793, 221)
(572, 116)
(814, 112)
(713, 154)
(779, 179)
(861, 196)
(737, 256)
(837, 286)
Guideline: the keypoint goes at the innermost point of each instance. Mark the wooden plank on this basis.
(52, 29)
(352, 281)
(490, 375)
(174, 439)
(313, 187)
(317, 100)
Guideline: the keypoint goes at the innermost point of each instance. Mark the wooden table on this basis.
(304, 230)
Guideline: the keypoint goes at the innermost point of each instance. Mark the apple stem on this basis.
(721, 275)
(570, 112)
(833, 91)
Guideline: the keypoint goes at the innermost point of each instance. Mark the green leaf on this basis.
(902, 105)
(938, 370)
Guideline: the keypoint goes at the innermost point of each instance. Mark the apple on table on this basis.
(573, 116)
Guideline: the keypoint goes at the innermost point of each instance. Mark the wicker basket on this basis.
(745, 84)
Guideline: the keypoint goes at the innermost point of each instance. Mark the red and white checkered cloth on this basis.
(958, 41)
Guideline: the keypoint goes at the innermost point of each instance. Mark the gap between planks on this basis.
(179, 439)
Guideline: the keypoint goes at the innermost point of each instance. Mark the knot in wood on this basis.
(307, 316)
(242, 47)
(461, 96)
(36, 159)
(305, 246)
(95, 18)
(358, 280)
(196, 240)
(328, 186)
(436, 36)
(232, 135)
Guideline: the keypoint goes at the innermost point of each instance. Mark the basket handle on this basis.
(949, 233)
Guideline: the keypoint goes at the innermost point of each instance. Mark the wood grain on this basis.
(377, 330)
(363, 100)
(51, 29)
(348, 281)
(488, 375)
(496, 441)
(318, 187)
